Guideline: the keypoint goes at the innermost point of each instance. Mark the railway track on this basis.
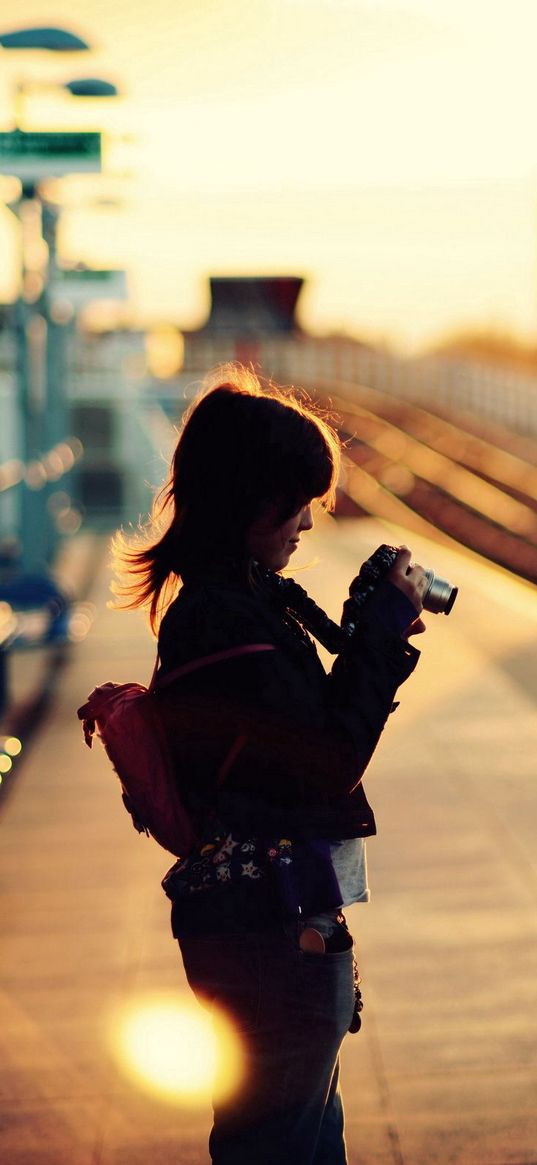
(439, 476)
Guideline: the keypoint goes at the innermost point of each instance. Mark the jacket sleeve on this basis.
(360, 691)
(297, 732)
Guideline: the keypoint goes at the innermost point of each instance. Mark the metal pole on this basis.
(30, 330)
(55, 417)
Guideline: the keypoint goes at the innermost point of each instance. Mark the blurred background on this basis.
(338, 191)
(342, 194)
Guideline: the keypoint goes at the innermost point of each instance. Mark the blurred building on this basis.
(126, 389)
(114, 409)
(245, 313)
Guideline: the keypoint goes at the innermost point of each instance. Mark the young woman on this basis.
(276, 752)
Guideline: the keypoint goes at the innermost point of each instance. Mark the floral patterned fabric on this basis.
(223, 858)
(302, 872)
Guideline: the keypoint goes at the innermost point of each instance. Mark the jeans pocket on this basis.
(328, 987)
(324, 937)
(224, 975)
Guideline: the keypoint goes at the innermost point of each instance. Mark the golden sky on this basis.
(387, 150)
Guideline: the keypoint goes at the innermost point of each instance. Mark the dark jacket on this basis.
(306, 736)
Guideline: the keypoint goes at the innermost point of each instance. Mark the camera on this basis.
(438, 598)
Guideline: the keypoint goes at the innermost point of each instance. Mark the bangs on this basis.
(308, 468)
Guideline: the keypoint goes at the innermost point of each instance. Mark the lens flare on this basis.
(176, 1050)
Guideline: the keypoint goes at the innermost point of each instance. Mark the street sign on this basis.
(34, 156)
(85, 284)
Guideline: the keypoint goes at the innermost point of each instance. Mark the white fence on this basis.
(504, 396)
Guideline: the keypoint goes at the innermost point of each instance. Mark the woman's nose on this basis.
(306, 521)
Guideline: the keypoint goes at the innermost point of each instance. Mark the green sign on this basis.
(33, 156)
(82, 285)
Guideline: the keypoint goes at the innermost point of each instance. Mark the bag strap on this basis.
(230, 758)
(205, 661)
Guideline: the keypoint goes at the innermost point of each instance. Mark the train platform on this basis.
(444, 1070)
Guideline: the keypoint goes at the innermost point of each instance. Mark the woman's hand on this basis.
(413, 582)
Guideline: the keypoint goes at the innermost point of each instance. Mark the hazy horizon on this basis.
(382, 150)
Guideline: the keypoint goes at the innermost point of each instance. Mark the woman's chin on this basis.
(277, 563)
(283, 562)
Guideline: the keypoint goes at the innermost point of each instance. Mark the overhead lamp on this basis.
(91, 87)
(58, 40)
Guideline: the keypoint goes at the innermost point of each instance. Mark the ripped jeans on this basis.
(292, 1008)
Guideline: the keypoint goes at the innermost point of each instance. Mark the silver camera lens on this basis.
(440, 595)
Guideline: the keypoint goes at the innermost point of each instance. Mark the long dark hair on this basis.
(242, 447)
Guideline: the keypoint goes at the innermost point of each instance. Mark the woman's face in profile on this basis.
(272, 545)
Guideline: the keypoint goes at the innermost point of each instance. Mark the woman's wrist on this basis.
(390, 607)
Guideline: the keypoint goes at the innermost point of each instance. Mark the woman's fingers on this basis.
(410, 578)
(403, 560)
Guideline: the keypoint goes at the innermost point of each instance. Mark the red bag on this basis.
(128, 722)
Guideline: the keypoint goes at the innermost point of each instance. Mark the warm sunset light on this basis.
(172, 1049)
(242, 240)
(382, 148)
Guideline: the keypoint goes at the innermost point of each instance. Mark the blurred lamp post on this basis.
(34, 157)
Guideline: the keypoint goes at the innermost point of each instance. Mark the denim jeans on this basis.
(292, 1009)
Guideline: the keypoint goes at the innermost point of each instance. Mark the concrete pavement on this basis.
(445, 1067)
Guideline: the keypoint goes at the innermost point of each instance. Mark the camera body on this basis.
(438, 598)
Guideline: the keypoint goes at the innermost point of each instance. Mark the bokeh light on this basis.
(12, 745)
(174, 1049)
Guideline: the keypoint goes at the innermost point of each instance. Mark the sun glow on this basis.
(386, 151)
(175, 1050)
